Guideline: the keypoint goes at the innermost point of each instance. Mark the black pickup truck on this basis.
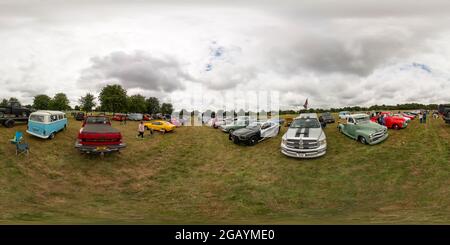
(444, 110)
(12, 113)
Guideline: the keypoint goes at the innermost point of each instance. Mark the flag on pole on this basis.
(306, 104)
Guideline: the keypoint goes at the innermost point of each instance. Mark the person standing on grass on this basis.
(425, 117)
(141, 130)
(420, 117)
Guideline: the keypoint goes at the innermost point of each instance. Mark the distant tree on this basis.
(113, 98)
(41, 102)
(87, 102)
(77, 108)
(166, 108)
(4, 102)
(59, 102)
(13, 99)
(137, 103)
(152, 105)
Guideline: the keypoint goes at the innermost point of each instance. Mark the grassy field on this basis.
(196, 175)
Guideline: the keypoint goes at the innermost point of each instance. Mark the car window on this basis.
(350, 120)
(53, 118)
(37, 118)
(265, 126)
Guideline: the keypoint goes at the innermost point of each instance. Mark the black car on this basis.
(249, 135)
(79, 116)
(327, 117)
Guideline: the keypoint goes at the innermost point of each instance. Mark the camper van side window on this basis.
(60, 117)
(53, 118)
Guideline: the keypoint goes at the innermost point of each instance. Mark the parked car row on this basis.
(305, 137)
(96, 134)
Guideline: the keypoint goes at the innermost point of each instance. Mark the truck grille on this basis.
(302, 144)
(378, 135)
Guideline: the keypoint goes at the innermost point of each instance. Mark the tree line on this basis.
(398, 107)
(113, 98)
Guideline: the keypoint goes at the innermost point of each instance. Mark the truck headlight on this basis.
(323, 142)
(283, 141)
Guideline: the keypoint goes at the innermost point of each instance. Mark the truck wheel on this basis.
(52, 135)
(9, 123)
(253, 140)
(396, 127)
(362, 140)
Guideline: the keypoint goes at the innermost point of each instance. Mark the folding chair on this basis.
(21, 147)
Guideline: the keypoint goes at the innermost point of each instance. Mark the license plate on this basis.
(100, 148)
(301, 154)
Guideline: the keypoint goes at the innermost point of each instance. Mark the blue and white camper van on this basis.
(45, 124)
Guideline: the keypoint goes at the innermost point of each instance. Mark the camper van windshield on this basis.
(37, 118)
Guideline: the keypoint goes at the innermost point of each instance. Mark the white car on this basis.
(344, 114)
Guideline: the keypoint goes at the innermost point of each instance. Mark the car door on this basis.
(269, 129)
(156, 125)
(350, 127)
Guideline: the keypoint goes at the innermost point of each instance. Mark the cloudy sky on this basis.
(353, 52)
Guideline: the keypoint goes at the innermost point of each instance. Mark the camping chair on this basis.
(21, 147)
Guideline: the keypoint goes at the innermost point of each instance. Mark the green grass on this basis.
(196, 175)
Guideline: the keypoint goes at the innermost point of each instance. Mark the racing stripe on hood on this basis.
(305, 132)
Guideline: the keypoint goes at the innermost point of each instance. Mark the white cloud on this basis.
(353, 53)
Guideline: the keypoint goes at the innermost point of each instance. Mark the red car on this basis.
(119, 117)
(410, 116)
(391, 121)
(146, 117)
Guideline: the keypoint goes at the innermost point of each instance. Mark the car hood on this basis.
(370, 126)
(304, 133)
(245, 131)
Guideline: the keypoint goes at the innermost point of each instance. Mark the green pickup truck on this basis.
(359, 127)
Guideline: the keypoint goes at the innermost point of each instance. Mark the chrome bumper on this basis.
(304, 153)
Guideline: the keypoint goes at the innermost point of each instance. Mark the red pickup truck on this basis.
(98, 136)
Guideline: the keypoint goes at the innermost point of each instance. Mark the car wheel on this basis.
(395, 126)
(52, 135)
(9, 123)
(362, 140)
(163, 131)
(253, 140)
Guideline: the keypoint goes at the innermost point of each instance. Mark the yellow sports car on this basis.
(159, 125)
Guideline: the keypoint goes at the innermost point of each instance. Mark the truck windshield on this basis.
(305, 123)
(97, 120)
(362, 119)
